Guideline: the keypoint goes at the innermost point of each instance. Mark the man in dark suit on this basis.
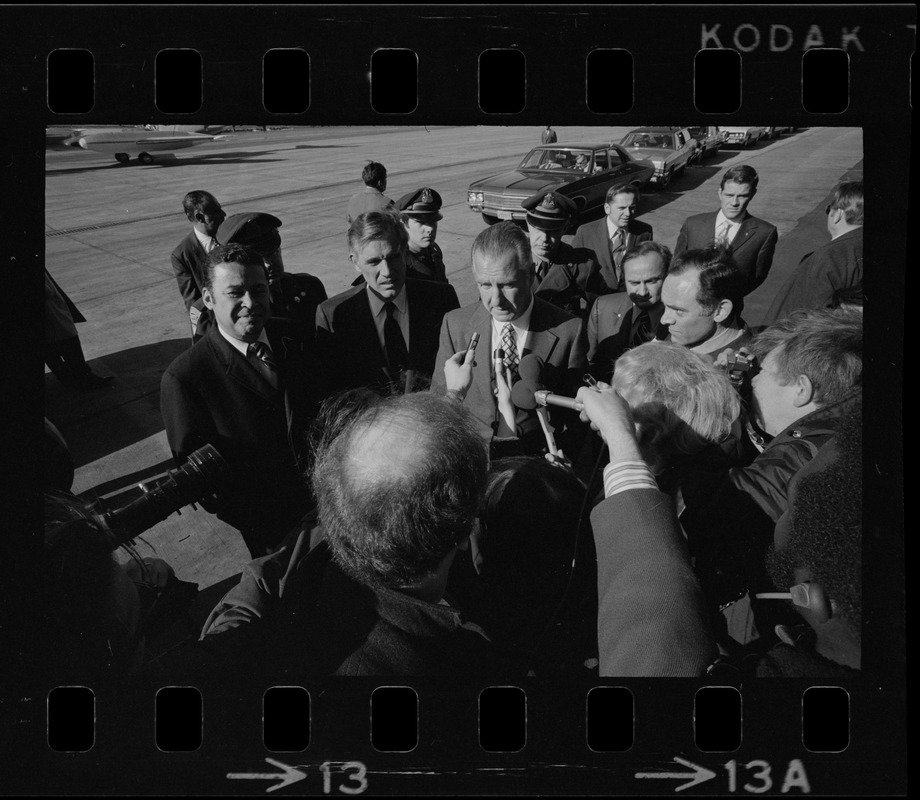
(511, 320)
(610, 238)
(243, 388)
(189, 259)
(621, 321)
(385, 330)
(831, 275)
(751, 240)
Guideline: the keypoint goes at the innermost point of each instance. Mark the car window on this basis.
(600, 160)
(681, 141)
(615, 158)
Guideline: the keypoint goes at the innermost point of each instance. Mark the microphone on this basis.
(530, 368)
(523, 394)
(547, 398)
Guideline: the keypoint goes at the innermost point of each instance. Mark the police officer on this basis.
(293, 295)
(555, 263)
(420, 211)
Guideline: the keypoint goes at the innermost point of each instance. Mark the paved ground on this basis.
(110, 229)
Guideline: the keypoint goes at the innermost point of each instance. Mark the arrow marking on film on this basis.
(289, 776)
(699, 774)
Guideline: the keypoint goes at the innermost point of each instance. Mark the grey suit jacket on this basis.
(594, 237)
(555, 336)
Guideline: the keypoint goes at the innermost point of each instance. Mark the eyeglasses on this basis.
(827, 209)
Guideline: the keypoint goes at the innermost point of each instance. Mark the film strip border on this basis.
(482, 64)
(350, 736)
(663, 44)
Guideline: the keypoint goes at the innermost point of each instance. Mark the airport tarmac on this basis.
(111, 227)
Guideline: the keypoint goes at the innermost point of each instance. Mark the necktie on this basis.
(722, 236)
(265, 361)
(211, 245)
(509, 346)
(617, 241)
(397, 353)
(541, 269)
(642, 330)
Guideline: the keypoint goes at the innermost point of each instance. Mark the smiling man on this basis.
(750, 240)
(244, 389)
(510, 319)
(383, 331)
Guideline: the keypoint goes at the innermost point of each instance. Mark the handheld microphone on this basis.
(523, 394)
(547, 398)
(530, 368)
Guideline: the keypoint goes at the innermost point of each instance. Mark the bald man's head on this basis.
(399, 487)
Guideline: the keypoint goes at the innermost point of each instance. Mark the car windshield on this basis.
(659, 140)
(557, 159)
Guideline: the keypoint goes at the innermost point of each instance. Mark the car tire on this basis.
(145, 158)
(489, 219)
(122, 158)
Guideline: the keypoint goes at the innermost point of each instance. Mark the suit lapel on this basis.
(368, 351)
(540, 340)
(745, 233)
(481, 323)
(238, 369)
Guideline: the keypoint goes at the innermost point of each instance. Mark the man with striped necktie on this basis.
(511, 324)
(250, 388)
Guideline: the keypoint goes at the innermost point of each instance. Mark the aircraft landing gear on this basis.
(145, 158)
(122, 158)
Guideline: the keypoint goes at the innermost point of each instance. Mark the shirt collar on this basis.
(720, 218)
(203, 239)
(612, 229)
(377, 304)
(243, 347)
(521, 325)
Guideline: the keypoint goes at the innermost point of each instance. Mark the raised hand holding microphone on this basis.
(605, 409)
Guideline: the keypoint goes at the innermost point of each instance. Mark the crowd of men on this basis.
(413, 508)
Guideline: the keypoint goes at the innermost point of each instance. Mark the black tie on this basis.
(642, 330)
(397, 353)
(266, 363)
(541, 269)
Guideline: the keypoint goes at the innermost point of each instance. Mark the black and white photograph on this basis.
(410, 454)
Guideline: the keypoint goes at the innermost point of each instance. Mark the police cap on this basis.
(254, 229)
(549, 210)
(420, 204)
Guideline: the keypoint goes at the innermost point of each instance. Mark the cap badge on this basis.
(549, 202)
(426, 196)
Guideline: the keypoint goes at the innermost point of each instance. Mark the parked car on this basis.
(583, 172)
(708, 138)
(743, 136)
(671, 150)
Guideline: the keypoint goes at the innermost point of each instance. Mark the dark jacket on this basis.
(212, 394)
(835, 267)
(767, 478)
(299, 613)
(347, 340)
(752, 248)
(573, 280)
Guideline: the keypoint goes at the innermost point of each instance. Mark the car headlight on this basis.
(475, 197)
